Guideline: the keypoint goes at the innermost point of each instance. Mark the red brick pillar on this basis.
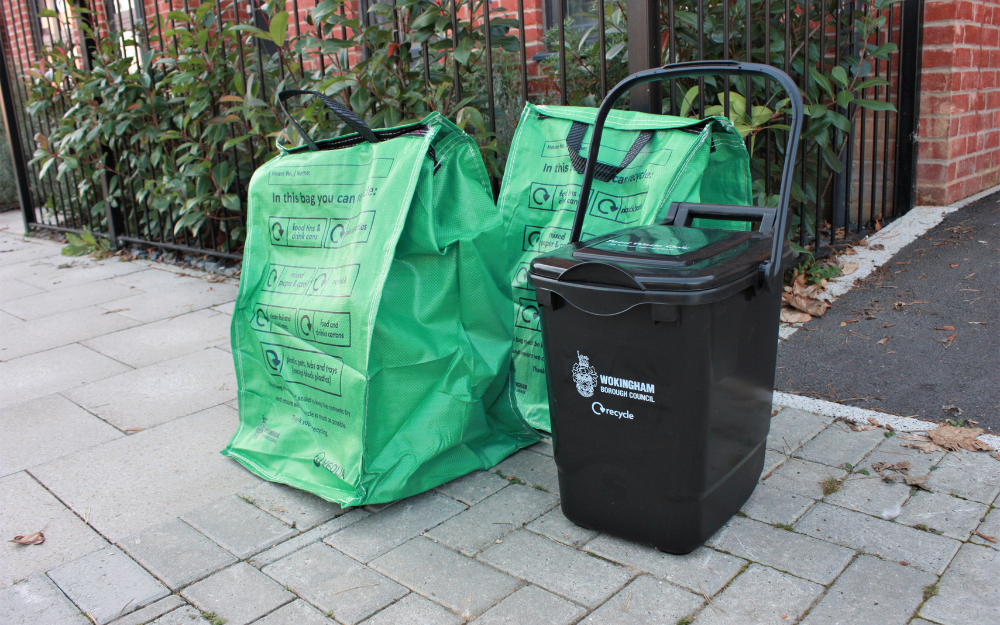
(959, 133)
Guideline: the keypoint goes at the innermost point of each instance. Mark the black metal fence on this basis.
(137, 178)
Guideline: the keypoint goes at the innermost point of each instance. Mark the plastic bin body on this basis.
(672, 471)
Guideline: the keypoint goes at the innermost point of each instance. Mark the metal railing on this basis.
(513, 60)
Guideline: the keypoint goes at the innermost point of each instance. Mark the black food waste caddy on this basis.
(661, 343)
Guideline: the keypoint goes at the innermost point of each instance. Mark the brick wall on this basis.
(959, 132)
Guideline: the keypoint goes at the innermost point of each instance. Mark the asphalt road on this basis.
(949, 277)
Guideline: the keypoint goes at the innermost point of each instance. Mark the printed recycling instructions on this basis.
(646, 163)
(373, 328)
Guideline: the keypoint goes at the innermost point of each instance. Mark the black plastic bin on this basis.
(661, 344)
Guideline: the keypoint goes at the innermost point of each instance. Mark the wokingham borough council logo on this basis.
(585, 376)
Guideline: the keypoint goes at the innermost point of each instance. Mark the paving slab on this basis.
(161, 392)
(23, 249)
(225, 309)
(239, 594)
(15, 289)
(773, 505)
(760, 595)
(949, 515)
(151, 612)
(885, 539)
(297, 612)
(53, 371)
(295, 507)
(800, 555)
(107, 584)
(63, 300)
(872, 591)
(335, 583)
(967, 593)
(186, 295)
(990, 527)
(646, 601)
(171, 469)
(472, 488)
(26, 507)
(37, 601)
(803, 477)
(185, 615)
(9, 321)
(314, 535)
(772, 460)
(59, 272)
(871, 495)
(531, 604)
(176, 553)
(791, 428)
(974, 476)
(837, 445)
(459, 583)
(702, 570)
(371, 537)
(568, 572)
(543, 447)
(155, 342)
(498, 515)
(414, 610)
(43, 429)
(241, 528)
(39, 335)
(554, 524)
(531, 468)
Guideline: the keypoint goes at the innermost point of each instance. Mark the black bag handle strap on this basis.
(604, 172)
(771, 271)
(345, 114)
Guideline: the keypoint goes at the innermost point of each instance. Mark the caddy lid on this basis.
(658, 257)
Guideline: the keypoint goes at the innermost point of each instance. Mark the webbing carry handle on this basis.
(604, 172)
(771, 270)
(345, 114)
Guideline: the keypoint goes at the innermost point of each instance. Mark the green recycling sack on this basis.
(646, 163)
(372, 331)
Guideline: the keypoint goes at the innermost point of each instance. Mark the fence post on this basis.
(644, 52)
(9, 113)
(908, 103)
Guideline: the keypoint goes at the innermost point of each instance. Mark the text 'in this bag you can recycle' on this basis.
(646, 163)
(373, 326)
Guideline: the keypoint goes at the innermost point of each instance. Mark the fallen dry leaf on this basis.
(953, 264)
(995, 455)
(790, 315)
(861, 427)
(36, 538)
(917, 481)
(848, 268)
(984, 536)
(814, 307)
(968, 276)
(924, 448)
(947, 328)
(883, 341)
(923, 438)
(954, 439)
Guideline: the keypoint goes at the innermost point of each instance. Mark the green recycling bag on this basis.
(372, 331)
(646, 163)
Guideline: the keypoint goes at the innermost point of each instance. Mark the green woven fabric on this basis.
(678, 160)
(372, 332)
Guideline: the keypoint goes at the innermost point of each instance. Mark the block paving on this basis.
(112, 425)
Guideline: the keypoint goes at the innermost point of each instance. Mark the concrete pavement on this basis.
(117, 393)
